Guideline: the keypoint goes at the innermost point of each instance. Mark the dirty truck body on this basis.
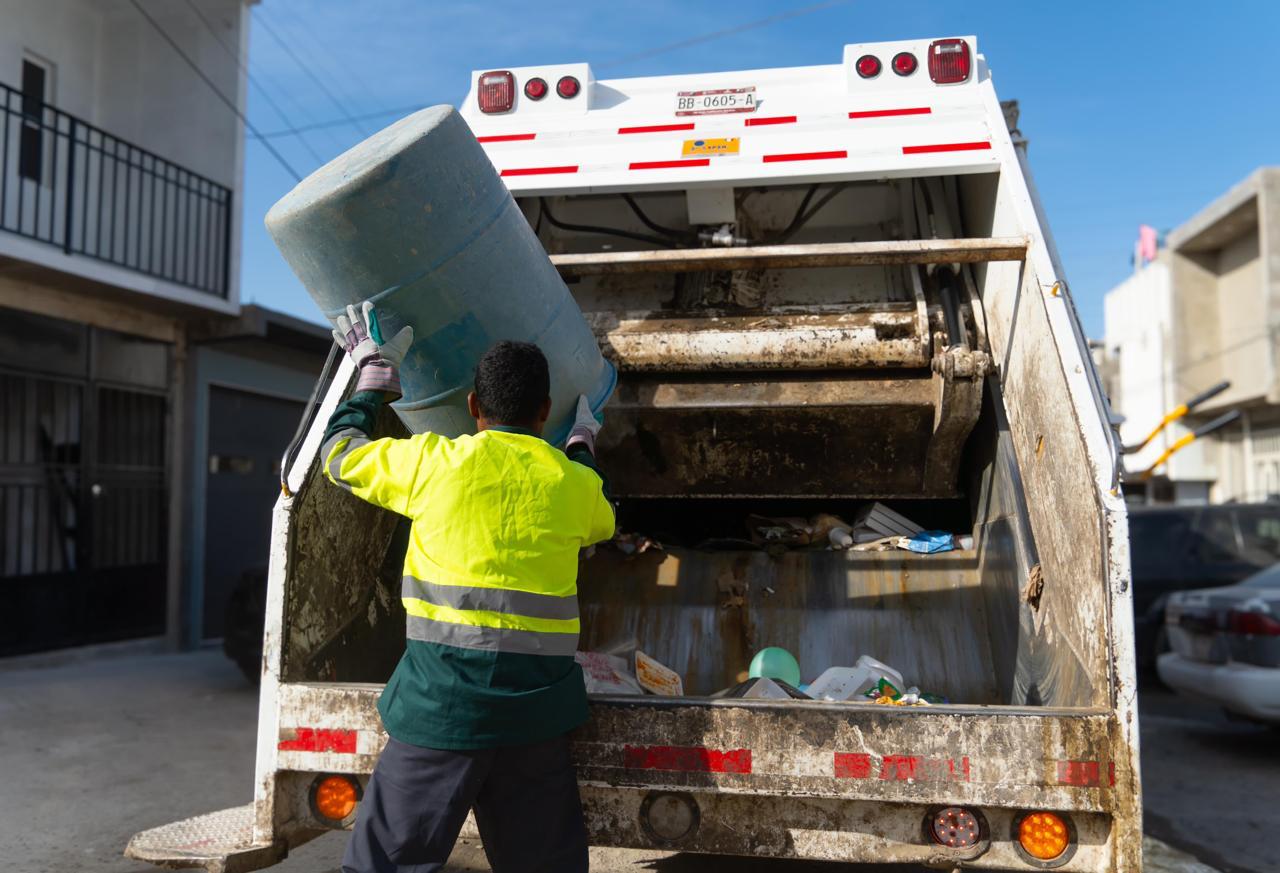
(842, 289)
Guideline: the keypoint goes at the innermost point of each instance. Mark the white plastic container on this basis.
(852, 683)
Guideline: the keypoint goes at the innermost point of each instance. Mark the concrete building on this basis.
(1207, 310)
(131, 492)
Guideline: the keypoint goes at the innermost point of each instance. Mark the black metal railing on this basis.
(68, 183)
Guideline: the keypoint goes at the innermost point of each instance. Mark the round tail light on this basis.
(334, 798)
(1045, 838)
(956, 828)
(568, 87)
(904, 63)
(535, 89)
(868, 66)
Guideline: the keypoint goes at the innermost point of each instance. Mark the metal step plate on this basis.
(220, 842)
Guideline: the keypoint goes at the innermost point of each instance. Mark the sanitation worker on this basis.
(479, 707)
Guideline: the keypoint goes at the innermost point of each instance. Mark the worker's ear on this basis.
(473, 405)
(544, 411)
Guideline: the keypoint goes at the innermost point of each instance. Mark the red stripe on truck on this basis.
(318, 740)
(806, 156)
(946, 147)
(538, 171)
(666, 165)
(506, 137)
(1085, 774)
(777, 119)
(657, 128)
(899, 768)
(886, 113)
(689, 759)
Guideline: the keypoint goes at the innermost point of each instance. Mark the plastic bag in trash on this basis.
(764, 689)
(606, 674)
(930, 541)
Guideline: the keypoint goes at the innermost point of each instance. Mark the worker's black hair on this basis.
(512, 383)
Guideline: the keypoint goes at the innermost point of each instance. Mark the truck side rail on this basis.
(926, 251)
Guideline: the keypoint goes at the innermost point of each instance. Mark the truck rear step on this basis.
(220, 842)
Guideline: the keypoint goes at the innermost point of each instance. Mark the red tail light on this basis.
(1252, 623)
(904, 63)
(535, 88)
(868, 66)
(497, 91)
(949, 61)
(568, 87)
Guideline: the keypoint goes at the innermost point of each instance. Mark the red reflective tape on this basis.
(852, 765)
(805, 156)
(777, 119)
(696, 759)
(900, 768)
(319, 740)
(657, 128)
(1084, 774)
(946, 147)
(885, 113)
(664, 165)
(538, 171)
(506, 137)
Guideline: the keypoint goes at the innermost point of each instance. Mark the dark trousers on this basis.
(525, 798)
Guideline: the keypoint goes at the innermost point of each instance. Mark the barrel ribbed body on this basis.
(416, 219)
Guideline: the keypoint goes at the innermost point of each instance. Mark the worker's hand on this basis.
(585, 426)
(379, 362)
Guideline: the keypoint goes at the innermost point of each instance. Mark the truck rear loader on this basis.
(820, 286)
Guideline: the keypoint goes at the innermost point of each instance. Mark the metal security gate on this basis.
(82, 512)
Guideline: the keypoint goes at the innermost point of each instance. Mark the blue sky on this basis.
(1136, 112)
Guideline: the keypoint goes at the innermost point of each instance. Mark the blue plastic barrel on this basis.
(416, 219)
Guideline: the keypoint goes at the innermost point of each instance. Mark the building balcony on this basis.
(71, 185)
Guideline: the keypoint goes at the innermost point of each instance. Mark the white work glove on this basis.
(585, 427)
(379, 362)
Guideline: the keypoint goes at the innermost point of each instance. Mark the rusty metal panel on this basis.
(794, 436)
(704, 613)
(657, 342)
(824, 829)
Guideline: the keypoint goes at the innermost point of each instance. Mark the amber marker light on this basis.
(334, 797)
(1043, 835)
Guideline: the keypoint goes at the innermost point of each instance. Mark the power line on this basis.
(254, 82)
(292, 131)
(717, 34)
(349, 74)
(214, 88)
(310, 73)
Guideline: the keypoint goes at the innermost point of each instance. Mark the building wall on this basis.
(110, 68)
(113, 70)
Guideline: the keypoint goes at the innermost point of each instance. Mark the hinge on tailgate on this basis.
(958, 375)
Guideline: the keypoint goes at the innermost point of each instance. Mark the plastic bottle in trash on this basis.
(882, 671)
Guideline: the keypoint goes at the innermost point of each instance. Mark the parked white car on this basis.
(1226, 646)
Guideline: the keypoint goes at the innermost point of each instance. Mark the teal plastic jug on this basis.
(416, 219)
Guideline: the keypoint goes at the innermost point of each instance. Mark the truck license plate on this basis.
(717, 102)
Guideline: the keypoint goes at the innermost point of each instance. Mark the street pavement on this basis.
(96, 748)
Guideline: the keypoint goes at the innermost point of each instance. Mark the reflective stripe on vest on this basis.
(495, 619)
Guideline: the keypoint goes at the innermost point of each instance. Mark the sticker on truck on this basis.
(711, 146)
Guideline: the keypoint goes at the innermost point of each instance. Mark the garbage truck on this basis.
(823, 288)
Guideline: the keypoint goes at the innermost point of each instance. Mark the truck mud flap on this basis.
(220, 842)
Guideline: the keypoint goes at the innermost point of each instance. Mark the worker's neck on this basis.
(534, 428)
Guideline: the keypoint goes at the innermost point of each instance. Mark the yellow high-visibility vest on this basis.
(498, 521)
